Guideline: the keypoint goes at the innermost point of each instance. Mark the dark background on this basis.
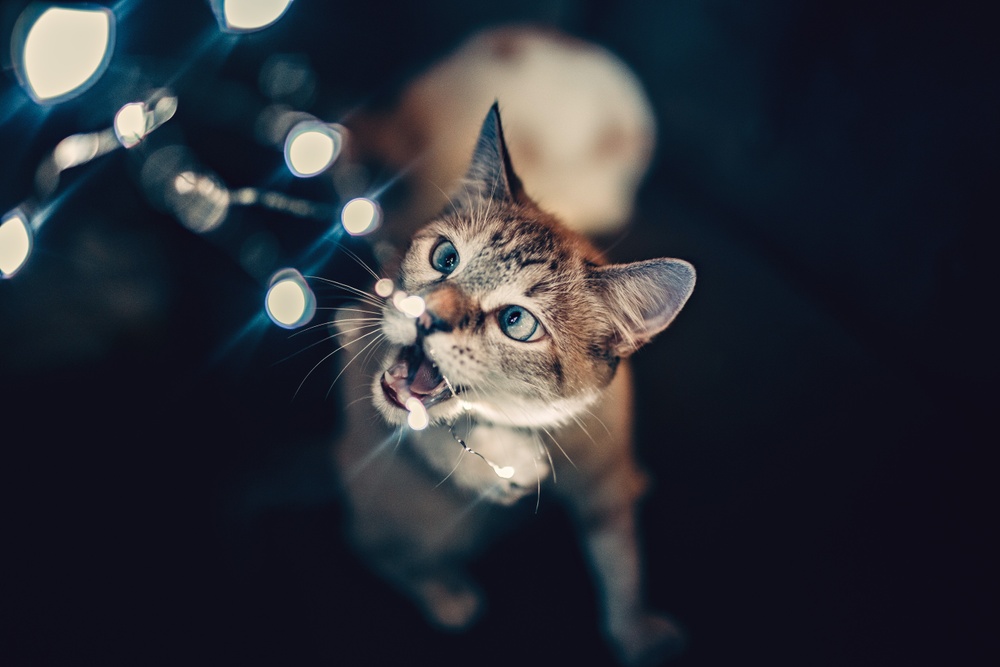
(817, 420)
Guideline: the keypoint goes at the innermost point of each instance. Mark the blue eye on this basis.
(444, 257)
(517, 323)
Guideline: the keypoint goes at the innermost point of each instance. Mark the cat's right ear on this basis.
(643, 299)
(491, 173)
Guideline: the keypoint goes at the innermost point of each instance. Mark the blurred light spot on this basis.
(360, 216)
(311, 147)
(411, 306)
(505, 472)
(417, 419)
(288, 78)
(248, 15)
(75, 150)
(290, 302)
(384, 287)
(199, 201)
(59, 52)
(131, 124)
(15, 243)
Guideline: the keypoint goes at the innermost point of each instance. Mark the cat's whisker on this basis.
(364, 296)
(360, 262)
(548, 455)
(343, 309)
(328, 356)
(556, 443)
(599, 420)
(461, 456)
(351, 360)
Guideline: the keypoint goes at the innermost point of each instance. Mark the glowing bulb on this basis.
(76, 149)
(15, 243)
(360, 216)
(248, 15)
(384, 287)
(417, 419)
(131, 124)
(61, 51)
(289, 301)
(412, 306)
(311, 147)
(505, 472)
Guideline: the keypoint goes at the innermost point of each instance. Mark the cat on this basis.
(518, 356)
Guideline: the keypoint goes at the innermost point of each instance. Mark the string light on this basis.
(237, 16)
(15, 242)
(361, 216)
(311, 147)
(131, 124)
(418, 419)
(290, 303)
(59, 52)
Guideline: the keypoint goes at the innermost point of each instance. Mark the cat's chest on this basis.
(499, 463)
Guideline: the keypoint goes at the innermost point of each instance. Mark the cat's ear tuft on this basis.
(643, 298)
(491, 171)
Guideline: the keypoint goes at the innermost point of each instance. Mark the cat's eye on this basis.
(518, 323)
(444, 257)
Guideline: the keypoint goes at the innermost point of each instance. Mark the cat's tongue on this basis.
(413, 375)
(426, 378)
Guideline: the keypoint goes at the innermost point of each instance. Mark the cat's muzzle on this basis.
(414, 375)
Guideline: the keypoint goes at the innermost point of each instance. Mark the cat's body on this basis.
(520, 362)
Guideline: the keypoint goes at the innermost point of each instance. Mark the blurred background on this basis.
(817, 420)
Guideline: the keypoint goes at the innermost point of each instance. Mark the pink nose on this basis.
(446, 307)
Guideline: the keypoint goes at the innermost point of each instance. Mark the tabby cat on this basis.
(518, 360)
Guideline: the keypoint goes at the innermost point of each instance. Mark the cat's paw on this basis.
(450, 604)
(651, 639)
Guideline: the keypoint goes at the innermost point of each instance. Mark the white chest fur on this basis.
(520, 450)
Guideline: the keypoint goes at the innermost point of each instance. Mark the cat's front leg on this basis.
(638, 635)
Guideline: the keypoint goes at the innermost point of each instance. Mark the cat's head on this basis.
(523, 320)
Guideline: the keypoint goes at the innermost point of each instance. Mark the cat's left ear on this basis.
(491, 171)
(643, 298)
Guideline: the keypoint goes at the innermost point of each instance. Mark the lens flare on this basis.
(132, 124)
(290, 303)
(15, 243)
(200, 201)
(75, 150)
(360, 216)
(59, 52)
(418, 419)
(384, 287)
(248, 15)
(311, 147)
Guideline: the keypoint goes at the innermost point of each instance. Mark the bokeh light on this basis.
(132, 124)
(60, 51)
(248, 15)
(290, 303)
(410, 305)
(418, 419)
(76, 149)
(311, 147)
(15, 242)
(361, 216)
(200, 201)
(384, 287)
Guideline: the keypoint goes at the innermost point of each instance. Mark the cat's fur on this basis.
(528, 405)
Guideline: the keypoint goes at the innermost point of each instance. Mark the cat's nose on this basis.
(429, 322)
(446, 308)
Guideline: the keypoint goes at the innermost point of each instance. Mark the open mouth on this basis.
(414, 375)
